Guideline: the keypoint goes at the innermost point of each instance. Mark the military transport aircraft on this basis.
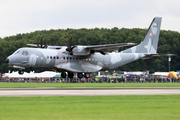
(84, 60)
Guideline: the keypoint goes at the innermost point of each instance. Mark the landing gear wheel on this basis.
(86, 75)
(21, 72)
(70, 74)
(90, 75)
(63, 75)
(80, 75)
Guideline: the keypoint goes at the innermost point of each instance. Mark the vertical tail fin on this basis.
(150, 42)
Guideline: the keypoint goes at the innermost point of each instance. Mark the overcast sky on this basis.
(24, 16)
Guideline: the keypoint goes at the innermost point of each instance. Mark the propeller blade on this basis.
(36, 43)
(41, 41)
(69, 46)
(45, 46)
(70, 40)
(65, 42)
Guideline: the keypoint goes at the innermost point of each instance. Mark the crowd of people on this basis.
(93, 80)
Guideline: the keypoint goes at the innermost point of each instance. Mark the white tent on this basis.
(46, 74)
(160, 74)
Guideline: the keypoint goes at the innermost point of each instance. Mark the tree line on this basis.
(169, 42)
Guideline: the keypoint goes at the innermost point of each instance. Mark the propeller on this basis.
(41, 41)
(69, 46)
(41, 45)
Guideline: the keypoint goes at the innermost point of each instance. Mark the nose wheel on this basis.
(21, 72)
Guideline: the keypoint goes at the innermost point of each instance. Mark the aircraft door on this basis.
(32, 60)
(39, 61)
(106, 63)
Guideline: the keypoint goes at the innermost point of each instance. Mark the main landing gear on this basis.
(70, 74)
(79, 75)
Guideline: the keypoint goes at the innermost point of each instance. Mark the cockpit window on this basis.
(25, 53)
(17, 52)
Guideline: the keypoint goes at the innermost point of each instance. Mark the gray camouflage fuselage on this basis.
(57, 59)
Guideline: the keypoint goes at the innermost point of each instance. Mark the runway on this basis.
(18, 92)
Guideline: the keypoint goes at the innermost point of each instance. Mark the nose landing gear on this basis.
(21, 72)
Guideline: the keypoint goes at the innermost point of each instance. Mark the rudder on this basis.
(150, 41)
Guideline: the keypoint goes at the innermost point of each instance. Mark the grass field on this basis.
(65, 85)
(159, 107)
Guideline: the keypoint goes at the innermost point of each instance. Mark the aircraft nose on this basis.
(7, 60)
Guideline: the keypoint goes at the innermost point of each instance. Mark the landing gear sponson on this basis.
(80, 75)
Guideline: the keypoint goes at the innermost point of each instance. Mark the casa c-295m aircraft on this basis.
(84, 60)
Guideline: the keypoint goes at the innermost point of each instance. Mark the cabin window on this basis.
(79, 58)
(102, 60)
(67, 58)
(95, 59)
(76, 58)
(51, 57)
(89, 59)
(47, 57)
(92, 59)
(57, 57)
(70, 58)
(64, 58)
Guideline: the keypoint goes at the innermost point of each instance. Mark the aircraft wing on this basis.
(49, 46)
(108, 47)
(32, 45)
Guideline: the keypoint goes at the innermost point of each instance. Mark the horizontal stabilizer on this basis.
(149, 56)
(159, 54)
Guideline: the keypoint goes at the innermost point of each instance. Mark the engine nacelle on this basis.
(80, 51)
